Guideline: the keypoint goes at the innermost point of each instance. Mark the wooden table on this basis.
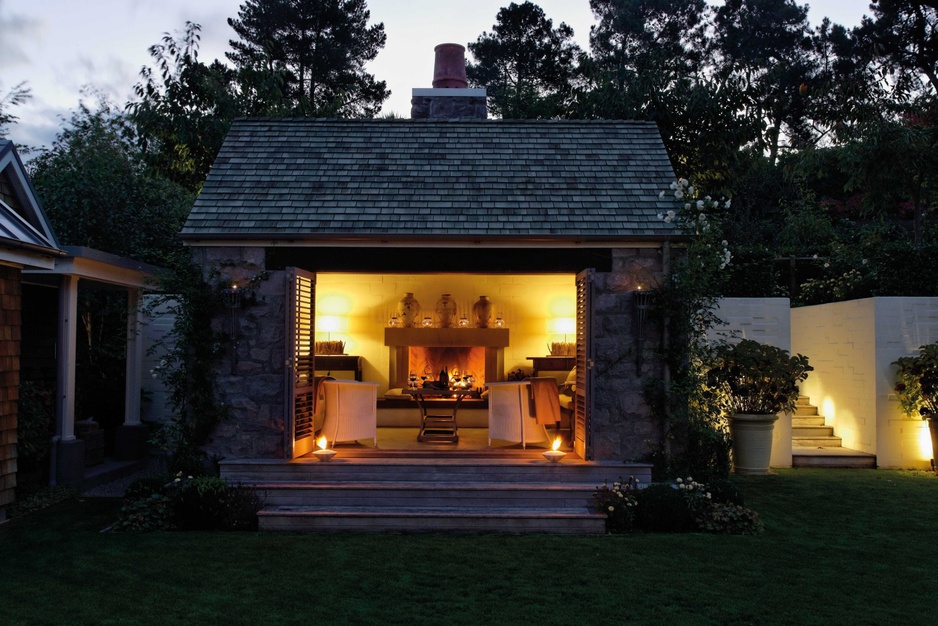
(552, 363)
(339, 363)
(439, 426)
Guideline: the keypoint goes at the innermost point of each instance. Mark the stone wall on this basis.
(446, 107)
(622, 426)
(10, 328)
(252, 373)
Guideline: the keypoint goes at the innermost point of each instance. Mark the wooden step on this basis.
(410, 494)
(431, 470)
(432, 519)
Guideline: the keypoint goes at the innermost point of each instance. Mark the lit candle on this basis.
(555, 454)
(322, 453)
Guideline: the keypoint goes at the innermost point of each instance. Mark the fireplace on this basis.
(476, 350)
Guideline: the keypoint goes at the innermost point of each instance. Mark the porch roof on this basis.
(305, 180)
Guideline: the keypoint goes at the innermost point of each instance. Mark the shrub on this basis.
(724, 492)
(728, 519)
(662, 508)
(200, 503)
(145, 487)
(618, 504)
(145, 514)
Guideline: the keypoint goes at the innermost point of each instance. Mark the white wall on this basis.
(157, 324)
(852, 346)
(768, 321)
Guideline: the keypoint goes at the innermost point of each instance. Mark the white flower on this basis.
(687, 207)
(702, 217)
(672, 214)
(690, 190)
(814, 257)
(727, 204)
(827, 265)
(667, 220)
(673, 186)
(679, 481)
(700, 205)
(684, 182)
(661, 195)
(612, 508)
(678, 194)
(661, 216)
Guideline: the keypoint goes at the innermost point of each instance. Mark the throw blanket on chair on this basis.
(318, 392)
(545, 400)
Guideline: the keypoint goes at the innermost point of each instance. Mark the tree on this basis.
(316, 50)
(525, 63)
(183, 109)
(905, 36)
(99, 193)
(766, 44)
(16, 96)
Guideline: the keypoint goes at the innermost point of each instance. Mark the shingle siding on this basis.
(312, 178)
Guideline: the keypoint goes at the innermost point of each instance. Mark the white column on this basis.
(134, 359)
(68, 327)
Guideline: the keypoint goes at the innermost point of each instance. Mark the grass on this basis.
(840, 547)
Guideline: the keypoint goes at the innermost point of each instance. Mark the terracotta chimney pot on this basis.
(449, 67)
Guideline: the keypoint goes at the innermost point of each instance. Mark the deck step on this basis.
(411, 494)
(465, 519)
(389, 493)
(811, 420)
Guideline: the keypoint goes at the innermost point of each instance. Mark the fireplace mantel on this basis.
(447, 337)
(402, 340)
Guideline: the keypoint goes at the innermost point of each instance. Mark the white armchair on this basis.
(510, 417)
(351, 411)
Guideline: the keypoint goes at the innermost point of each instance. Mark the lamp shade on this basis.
(331, 323)
(561, 325)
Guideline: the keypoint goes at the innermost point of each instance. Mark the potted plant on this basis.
(753, 383)
(917, 389)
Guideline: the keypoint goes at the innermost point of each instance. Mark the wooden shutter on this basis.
(584, 364)
(300, 405)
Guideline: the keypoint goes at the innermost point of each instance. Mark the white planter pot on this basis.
(752, 442)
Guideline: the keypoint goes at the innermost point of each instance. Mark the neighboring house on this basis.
(26, 241)
(341, 218)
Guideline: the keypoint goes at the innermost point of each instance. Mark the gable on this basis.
(302, 181)
(23, 224)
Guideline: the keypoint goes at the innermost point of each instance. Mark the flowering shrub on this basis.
(682, 506)
(699, 216)
(618, 503)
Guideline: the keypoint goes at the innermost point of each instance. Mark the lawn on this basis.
(840, 547)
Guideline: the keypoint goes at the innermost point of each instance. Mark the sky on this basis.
(66, 50)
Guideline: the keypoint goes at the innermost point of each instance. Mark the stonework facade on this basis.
(10, 329)
(253, 371)
(448, 107)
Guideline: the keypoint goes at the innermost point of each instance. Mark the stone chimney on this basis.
(450, 97)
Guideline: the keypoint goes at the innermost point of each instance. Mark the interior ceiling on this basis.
(394, 260)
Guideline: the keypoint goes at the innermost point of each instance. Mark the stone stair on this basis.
(392, 493)
(814, 444)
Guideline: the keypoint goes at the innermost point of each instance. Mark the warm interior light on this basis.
(321, 443)
(556, 445)
(329, 323)
(561, 325)
(924, 442)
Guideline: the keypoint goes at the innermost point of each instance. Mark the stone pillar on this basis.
(131, 437)
(70, 452)
(10, 328)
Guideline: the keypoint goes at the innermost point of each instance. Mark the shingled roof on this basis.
(308, 180)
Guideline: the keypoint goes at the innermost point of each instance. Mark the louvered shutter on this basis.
(300, 310)
(584, 364)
